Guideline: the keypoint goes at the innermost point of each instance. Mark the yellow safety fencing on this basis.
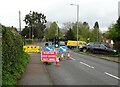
(31, 49)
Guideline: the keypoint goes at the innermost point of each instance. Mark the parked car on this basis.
(99, 48)
(62, 43)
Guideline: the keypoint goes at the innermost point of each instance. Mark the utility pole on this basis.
(118, 9)
(20, 21)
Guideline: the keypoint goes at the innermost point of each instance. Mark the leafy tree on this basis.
(96, 31)
(36, 22)
(74, 30)
(84, 31)
(70, 35)
(51, 31)
(93, 35)
(117, 27)
(114, 34)
(26, 32)
(114, 31)
(60, 34)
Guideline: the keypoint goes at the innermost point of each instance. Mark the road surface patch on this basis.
(87, 65)
(112, 75)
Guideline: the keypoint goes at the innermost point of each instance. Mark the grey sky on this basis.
(103, 11)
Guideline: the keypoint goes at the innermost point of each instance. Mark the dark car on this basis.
(100, 48)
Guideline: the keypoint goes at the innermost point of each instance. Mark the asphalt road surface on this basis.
(84, 70)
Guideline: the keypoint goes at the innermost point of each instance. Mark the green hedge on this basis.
(13, 57)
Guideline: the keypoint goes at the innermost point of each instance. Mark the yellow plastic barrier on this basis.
(31, 49)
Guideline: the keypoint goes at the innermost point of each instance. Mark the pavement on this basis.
(35, 73)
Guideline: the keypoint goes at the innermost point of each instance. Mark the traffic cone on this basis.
(57, 62)
(62, 57)
(68, 55)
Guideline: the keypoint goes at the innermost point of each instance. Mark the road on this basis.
(84, 70)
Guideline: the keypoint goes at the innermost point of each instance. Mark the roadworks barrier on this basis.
(31, 49)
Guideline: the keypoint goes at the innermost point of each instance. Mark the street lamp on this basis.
(77, 20)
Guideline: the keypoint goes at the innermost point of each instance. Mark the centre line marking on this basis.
(72, 58)
(87, 65)
(112, 75)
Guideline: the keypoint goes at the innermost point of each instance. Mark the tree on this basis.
(36, 22)
(84, 31)
(93, 35)
(70, 35)
(114, 31)
(114, 34)
(96, 30)
(26, 32)
(51, 31)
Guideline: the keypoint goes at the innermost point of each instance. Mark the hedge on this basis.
(14, 59)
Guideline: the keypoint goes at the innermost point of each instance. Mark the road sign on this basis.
(49, 48)
(63, 49)
(48, 56)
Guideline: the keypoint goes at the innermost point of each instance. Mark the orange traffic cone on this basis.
(62, 57)
(57, 62)
(68, 55)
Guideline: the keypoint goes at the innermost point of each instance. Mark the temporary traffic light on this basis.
(56, 42)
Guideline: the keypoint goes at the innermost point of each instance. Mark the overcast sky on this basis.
(103, 11)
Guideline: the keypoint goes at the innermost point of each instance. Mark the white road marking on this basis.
(112, 75)
(87, 65)
(72, 58)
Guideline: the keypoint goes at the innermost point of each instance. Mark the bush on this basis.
(13, 57)
(117, 45)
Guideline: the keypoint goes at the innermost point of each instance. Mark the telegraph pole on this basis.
(118, 9)
(20, 21)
